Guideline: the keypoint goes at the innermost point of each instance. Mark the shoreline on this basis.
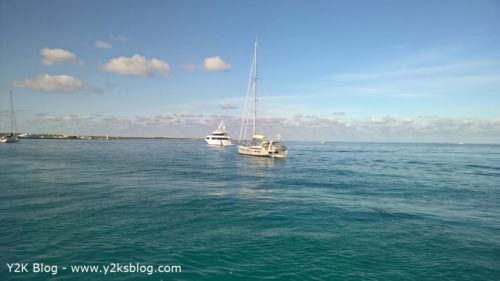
(90, 137)
(81, 137)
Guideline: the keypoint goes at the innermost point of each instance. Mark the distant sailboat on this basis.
(11, 138)
(259, 145)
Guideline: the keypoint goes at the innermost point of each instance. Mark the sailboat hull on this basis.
(253, 151)
(9, 140)
(261, 151)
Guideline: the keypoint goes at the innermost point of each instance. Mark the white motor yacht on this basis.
(219, 137)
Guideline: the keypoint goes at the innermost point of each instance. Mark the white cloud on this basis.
(225, 106)
(442, 70)
(338, 113)
(119, 38)
(57, 56)
(102, 45)
(77, 118)
(209, 64)
(190, 66)
(378, 120)
(435, 79)
(137, 65)
(167, 119)
(62, 84)
(495, 122)
(44, 118)
(215, 64)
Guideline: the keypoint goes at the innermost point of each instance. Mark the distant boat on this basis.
(259, 145)
(11, 138)
(219, 137)
(323, 141)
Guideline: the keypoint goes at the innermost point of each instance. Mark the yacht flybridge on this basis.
(258, 145)
(219, 137)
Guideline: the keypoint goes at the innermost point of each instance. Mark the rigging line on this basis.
(254, 91)
(11, 113)
(244, 121)
(14, 116)
(243, 125)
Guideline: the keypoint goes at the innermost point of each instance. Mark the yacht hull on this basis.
(218, 142)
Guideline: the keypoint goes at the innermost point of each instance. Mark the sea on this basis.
(181, 210)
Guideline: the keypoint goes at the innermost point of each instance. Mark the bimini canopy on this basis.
(259, 137)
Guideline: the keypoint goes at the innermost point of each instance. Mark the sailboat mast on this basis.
(250, 98)
(11, 114)
(255, 89)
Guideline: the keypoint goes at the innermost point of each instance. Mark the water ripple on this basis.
(331, 211)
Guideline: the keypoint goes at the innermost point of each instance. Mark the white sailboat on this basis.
(219, 137)
(259, 145)
(11, 138)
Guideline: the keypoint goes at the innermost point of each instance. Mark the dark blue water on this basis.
(335, 211)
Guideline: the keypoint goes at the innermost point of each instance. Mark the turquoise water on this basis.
(335, 211)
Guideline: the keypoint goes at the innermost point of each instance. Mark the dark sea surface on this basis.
(334, 211)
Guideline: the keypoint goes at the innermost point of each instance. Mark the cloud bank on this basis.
(102, 45)
(137, 65)
(372, 129)
(227, 106)
(57, 56)
(59, 84)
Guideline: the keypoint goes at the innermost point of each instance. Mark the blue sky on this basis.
(417, 71)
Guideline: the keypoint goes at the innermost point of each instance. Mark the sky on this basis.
(381, 71)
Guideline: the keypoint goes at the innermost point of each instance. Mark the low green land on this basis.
(80, 137)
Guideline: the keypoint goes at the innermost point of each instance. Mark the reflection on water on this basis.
(219, 147)
(258, 170)
(257, 193)
(262, 162)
